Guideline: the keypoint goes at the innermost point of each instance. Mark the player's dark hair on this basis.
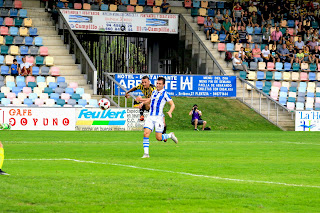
(14, 60)
(145, 77)
(162, 79)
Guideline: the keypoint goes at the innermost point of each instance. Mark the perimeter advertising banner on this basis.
(113, 119)
(121, 21)
(307, 121)
(38, 118)
(185, 85)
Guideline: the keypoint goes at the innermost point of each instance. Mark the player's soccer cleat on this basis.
(145, 156)
(196, 129)
(173, 137)
(165, 140)
(3, 173)
(141, 118)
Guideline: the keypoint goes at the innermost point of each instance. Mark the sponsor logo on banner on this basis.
(121, 21)
(307, 121)
(185, 85)
(101, 120)
(38, 118)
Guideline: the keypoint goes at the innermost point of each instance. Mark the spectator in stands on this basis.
(217, 27)
(254, 20)
(307, 37)
(237, 13)
(314, 59)
(289, 42)
(219, 16)
(245, 18)
(299, 44)
(165, 7)
(276, 36)
(66, 6)
(292, 52)
(232, 35)
(299, 57)
(266, 15)
(226, 26)
(54, 13)
(286, 36)
(315, 35)
(256, 53)
(273, 52)
(248, 52)
(252, 8)
(284, 53)
(278, 15)
(266, 36)
(26, 67)
(15, 70)
(306, 53)
(196, 118)
(243, 35)
(312, 44)
(208, 27)
(237, 63)
(242, 54)
(266, 56)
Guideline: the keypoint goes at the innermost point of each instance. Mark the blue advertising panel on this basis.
(185, 85)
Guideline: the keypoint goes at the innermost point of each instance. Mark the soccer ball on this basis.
(104, 104)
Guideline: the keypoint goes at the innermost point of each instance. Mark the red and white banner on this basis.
(38, 118)
(122, 21)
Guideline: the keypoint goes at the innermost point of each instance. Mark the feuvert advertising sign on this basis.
(113, 119)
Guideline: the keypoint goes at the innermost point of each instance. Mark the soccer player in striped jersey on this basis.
(155, 120)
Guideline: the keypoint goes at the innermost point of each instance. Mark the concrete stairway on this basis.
(51, 39)
(251, 98)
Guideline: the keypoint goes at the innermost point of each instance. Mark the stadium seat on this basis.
(86, 6)
(30, 59)
(122, 8)
(1, 59)
(63, 85)
(28, 41)
(50, 102)
(72, 102)
(18, 40)
(17, 4)
(1, 40)
(73, 85)
(5, 101)
(22, 96)
(39, 60)
(243, 74)
(43, 51)
(113, 7)
(50, 79)
(69, 90)
(65, 96)
(30, 79)
(14, 50)
(49, 61)
(4, 30)
(4, 70)
(82, 102)
(75, 96)
(14, 31)
(35, 70)
(9, 40)
(54, 96)
(61, 102)
(277, 76)
(59, 90)
(55, 71)
(23, 31)
(53, 85)
(48, 90)
(130, 8)
(38, 41)
(44, 96)
(33, 31)
(27, 22)
(18, 22)
(139, 9)
(4, 12)
(269, 76)
(8, 21)
(260, 75)
(37, 90)
(45, 71)
(32, 84)
(104, 7)
(9, 59)
(27, 90)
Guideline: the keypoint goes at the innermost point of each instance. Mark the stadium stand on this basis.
(282, 65)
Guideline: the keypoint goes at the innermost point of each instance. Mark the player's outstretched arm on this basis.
(143, 100)
(172, 106)
(130, 90)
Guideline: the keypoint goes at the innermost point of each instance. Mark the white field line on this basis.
(111, 142)
(172, 172)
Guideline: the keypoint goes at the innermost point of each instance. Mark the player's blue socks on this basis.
(165, 136)
(146, 145)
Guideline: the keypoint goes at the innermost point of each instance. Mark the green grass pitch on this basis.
(217, 171)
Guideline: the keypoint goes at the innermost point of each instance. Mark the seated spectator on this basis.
(299, 44)
(245, 18)
(266, 36)
(307, 55)
(165, 7)
(15, 70)
(237, 13)
(266, 15)
(196, 118)
(242, 54)
(243, 35)
(312, 44)
(299, 57)
(307, 37)
(252, 8)
(273, 53)
(276, 36)
(266, 56)
(292, 52)
(284, 53)
(237, 63)
(232, 35)
(219, 16)
(289, 42)
(66, 6)
(254, 20)
(26, 67)
(314, 59)
(286, 36)
(315, 34)
(208, 27)
(278, 15)
(316, 52)
(256, 53)
(217, 27)
(226, 25)
(248, 52)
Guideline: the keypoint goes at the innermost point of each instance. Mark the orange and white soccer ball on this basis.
(104, 104)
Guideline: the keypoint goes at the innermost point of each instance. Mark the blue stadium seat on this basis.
(290, 23)
(10, 84)
(16, 90)
(230, 47)
(38, 41)
(310, 94)
(61, 102)
(249, 30)
(260, 75)
(196, 4)
(24, 50)
(257, 30)
(28, 101)
(277, 76)
(14, 31)
(70, 91)
(23, 13)
(33, 31)
(13, 12)
(283, 100)
(1, 3)
(287, 66)
(5, 70)
(41, 79)
(259, 84)
(35, 70)
(19, 59)
(33, 96)
(1, 21)
(21, 84)
(222, 37)
(28, 41)
(48, 90)
(75, 96)
(1, 59)
(211, 12)
(312, 76)
(220, 5)
(80, 91)
(141, 2)
(20, 79)
(284, 89)
(5, 101)
(53, 85)
(82, 102)
(60, 4)
(54, 96)
(279, 66)
(104, 7)
(61, 79)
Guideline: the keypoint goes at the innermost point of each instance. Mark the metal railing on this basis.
(203, 55)
(76, 48)
(265, 103)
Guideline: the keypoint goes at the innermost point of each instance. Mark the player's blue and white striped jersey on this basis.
(158, 100)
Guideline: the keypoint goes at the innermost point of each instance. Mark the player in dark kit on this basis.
(146, 88)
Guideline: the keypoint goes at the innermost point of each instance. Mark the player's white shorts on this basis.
(154, 122)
